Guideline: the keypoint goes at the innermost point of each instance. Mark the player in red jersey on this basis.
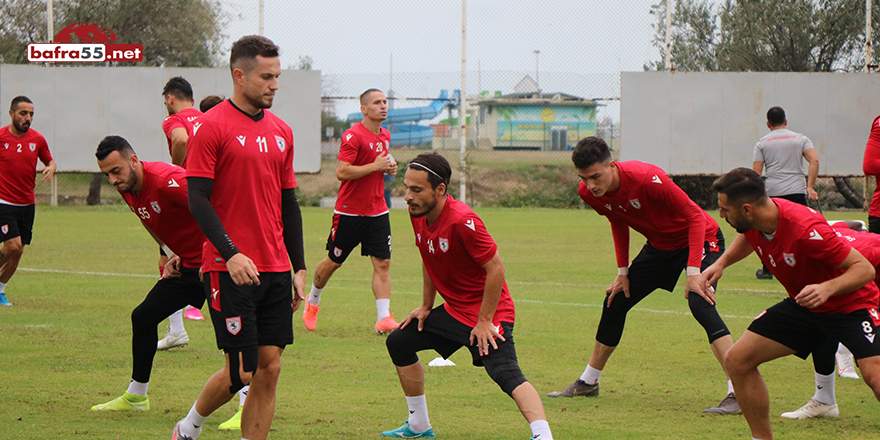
(361, 214)
(830, 288)
(241, 193)
(680, 236)
(22, 146)
(156, 193)
(460, 261)
(871, 167)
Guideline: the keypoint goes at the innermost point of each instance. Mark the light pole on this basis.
(537, 83)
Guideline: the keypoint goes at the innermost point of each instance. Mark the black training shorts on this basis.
(372, 233)
(17, 221)
(250, 316)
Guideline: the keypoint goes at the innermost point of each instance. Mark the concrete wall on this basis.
(75, 107)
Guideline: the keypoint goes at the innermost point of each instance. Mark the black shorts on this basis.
(175, 293)
(802, 330)
(445, 335)
(250, 316)
(874, 224)
(17, 221)
(372, 233)
(654, 268)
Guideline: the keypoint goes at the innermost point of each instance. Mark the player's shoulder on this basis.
(459, 213)
(274, 119)
(164, 171)
(33, 135)
(354, 133)
(643, 172)
(802, 221)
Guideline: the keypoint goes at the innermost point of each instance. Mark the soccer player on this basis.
(782, 152)
(208, 102)
(871, 167)
(680, 236)
(830, 288)
(157, 193)
(241, 193)
(22, 146)
(361, 214)
(824, 403)
(460, 260)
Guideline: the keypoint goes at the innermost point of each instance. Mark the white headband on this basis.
(428, 170)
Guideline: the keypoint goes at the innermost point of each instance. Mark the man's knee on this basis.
(737, 362)
(506, 373)
(242, 366)
(13, 248)
(398, 348)
(381, 265)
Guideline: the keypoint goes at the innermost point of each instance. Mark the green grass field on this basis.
(65, 344)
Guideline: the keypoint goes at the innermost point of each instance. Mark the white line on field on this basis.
(533, 301)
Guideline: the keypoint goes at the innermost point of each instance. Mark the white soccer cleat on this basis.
(846, 366)
(812, 409)
(171, 341)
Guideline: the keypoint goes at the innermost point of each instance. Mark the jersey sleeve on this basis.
(44, 154)
(678, 202)
(758, 154)
(832, 249)
(174, 195)
(348, 150)
(807, 143)
(871, 162)
(170, 123)
(203, 151)
(476, 240)
(288, 175)
(620, 235)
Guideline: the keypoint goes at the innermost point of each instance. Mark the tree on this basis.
(185, 33)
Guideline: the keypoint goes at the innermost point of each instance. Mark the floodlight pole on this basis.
(462, 117)
(668, 62)
(867, 35)
(50, 26)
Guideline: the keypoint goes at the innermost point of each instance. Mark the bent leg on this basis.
(10, 256)
(324, 271)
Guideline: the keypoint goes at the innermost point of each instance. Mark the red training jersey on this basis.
(806, 250)
(871, 164)
(184, 118)
(648, 201)
(366, 195)
(453, 249)
(163, 207)
(250, 161)
(18, 165)
(867, 243)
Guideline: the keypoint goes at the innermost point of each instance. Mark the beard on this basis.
(128, 185)
(21, 128)
(258, 101)
(428, 208)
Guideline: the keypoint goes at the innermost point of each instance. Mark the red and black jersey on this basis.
(453, 249)
(806, 250)
(648, 201)
(250, 161)
(18, 165)
(871, 164)
(366, 195)
(184, 118)
(163, 206)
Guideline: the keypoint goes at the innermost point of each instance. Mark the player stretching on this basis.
(680, 236)
(21, 147)
(830, 287)
(241, 193)
(361, 215)
(155, 192)
(460, 261)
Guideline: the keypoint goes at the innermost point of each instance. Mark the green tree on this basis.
(184, 33)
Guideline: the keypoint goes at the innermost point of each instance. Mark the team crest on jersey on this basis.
(635, 203)
(444, 245)
(156, 207)
(33, 146)
(789, 259)
(233, 325)
(337, 252)
(280, 142)
(241, 139)
(196, 127)
(4, 229)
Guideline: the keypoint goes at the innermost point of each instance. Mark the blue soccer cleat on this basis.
(4, 301)
(405, 432)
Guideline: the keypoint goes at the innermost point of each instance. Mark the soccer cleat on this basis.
(846, 366)
(727, 406)
(310, 316)
(4, 301)
(125, 402)
(176, 434)
(171, 341)
(233, 424)
(405, 432)
(578, 388)
(386, 325)
(194, 314)
(813, 408)
(762, 274)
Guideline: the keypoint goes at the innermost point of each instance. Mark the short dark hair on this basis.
(435, 165)
(17, 99)
(589, 151)
(114, 143)
(776, 116)
(367, 92)
(741, 185)
(209, 102)
(179, 87)
(247, 48)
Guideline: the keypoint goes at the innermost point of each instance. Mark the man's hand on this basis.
(299, 288)
(48, 171)
(710, 276)
(243, 270)
(172, 268)
(813, 295)
(812, 194)
(421, 313)
(620, 284)
(485, 334)
(392, 170)
(695, 284)
(382, 163)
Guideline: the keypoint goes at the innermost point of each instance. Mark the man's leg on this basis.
(10, 256)
(259, 408)
(529, 403)
(870, 368)
(323, 272)
(214, 394)
(823, 403)
(382, 291)
(742, 361)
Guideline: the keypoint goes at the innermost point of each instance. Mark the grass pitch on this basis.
(65, 344)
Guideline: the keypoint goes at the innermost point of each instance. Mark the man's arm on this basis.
(48, 171)
(858, 271)
(758, 166)
(179, 139)
(429, 293)
(739, 249)
(347, 171)
(485, 331)
(291, 218)
(811, 157)
(620, 236)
